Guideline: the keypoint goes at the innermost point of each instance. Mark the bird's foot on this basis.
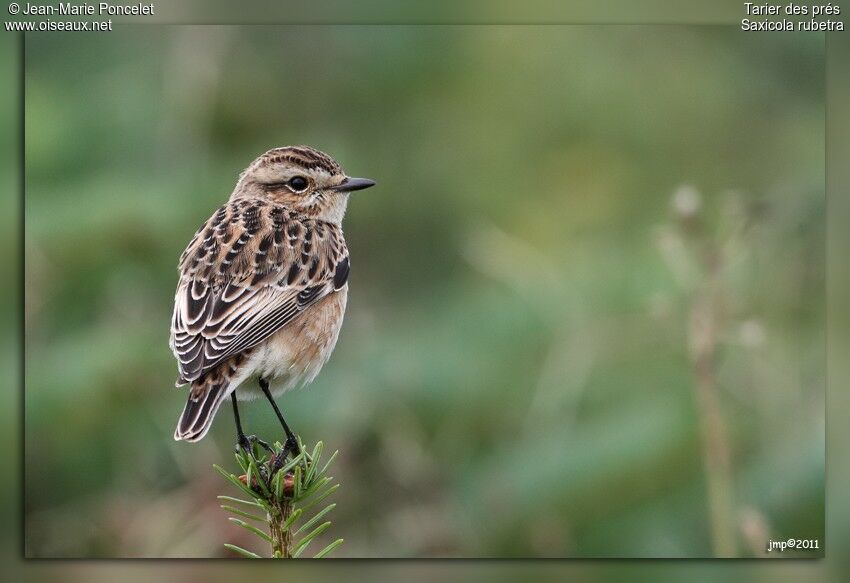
(290, 447)
(246, 443)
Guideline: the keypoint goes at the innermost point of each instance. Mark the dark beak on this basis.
(352, 184)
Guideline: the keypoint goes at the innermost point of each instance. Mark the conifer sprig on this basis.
(283, 508)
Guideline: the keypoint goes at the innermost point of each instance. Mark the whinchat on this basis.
(263, 288)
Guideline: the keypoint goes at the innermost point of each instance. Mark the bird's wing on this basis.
(249, 271)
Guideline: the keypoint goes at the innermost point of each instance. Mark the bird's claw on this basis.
(290, 447)
(245, 443)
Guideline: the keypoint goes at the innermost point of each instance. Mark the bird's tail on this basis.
(201, 407)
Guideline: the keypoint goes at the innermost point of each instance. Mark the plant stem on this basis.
(703, 325)
(281, 538)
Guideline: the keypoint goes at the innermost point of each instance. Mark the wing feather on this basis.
(242, 280)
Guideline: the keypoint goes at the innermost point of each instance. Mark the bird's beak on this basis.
(352, 184)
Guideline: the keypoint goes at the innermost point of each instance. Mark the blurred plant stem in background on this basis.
(701, 255)
(715, 442)
(704, 327)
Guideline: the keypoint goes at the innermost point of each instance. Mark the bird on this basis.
(262, 289)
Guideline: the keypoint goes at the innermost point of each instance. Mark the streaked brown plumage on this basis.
(263, 284)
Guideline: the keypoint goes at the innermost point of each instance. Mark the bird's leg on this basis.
(291, 445)
(245, 442)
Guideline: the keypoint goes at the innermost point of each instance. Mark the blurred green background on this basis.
(564, 215)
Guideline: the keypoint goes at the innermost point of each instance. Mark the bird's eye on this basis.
(298, 183)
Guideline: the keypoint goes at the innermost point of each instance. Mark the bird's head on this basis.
(303, 179)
